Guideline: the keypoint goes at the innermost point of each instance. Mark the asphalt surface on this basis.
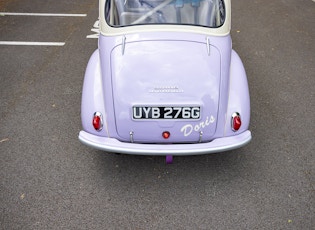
(49, 180)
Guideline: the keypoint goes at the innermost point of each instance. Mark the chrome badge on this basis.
(166, 89)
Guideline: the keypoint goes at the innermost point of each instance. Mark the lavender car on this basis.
(165, 80)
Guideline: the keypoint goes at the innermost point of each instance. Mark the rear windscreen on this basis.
(208, 13)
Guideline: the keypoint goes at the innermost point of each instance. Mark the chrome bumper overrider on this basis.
(217, 145)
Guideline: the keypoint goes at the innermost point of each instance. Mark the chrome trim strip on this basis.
(123, 45)
(208, 46)
(200, 136)
(131, 136)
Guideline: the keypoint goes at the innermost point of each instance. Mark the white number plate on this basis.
(147, 112)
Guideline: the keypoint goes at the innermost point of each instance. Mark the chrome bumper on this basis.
(217, 145)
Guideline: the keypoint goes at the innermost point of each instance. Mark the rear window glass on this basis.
(208, 13)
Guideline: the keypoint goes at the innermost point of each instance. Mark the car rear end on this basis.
(155, 90)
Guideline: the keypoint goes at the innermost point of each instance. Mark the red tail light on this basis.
(166, 134)
(97, 121)
(236, 121)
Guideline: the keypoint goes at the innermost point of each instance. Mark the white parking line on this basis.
(26, 43)
(41, 14)
(18, 43)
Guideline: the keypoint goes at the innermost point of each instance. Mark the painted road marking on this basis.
(41, 14)
(18, 43)
(26, 43)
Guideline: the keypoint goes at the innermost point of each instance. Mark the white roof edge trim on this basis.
(115, 31)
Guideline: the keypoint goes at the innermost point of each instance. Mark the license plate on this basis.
(148, 112)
